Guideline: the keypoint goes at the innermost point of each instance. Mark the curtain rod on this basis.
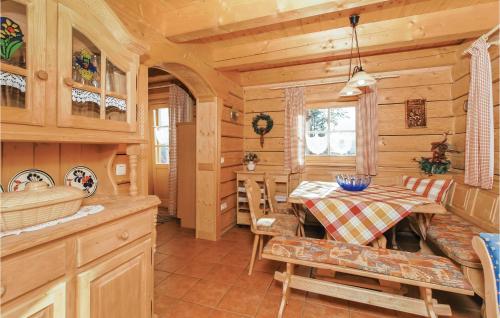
(485, 37)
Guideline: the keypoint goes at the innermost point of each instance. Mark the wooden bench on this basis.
(427, 272)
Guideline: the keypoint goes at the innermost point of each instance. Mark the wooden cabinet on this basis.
(118, 287)
(66, 65)
(96, 75)
(87, 268)
(282, 190)
(23, 69)
(49, 303)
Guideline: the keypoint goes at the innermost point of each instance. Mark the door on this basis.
(42, 304)
(97, 76)
(124, 279)
(22, 65)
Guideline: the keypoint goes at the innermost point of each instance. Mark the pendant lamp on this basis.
(359, 77)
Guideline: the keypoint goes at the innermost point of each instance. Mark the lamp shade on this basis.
(362, 79)
(349, 90)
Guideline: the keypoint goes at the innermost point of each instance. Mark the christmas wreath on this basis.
(259, 130)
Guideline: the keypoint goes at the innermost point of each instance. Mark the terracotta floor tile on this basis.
(224, 314)
(359, 310)
(212, 254)
(270, 306)
(237, 258)
(265, 265)
(189, 310)
(227, 274)
(164, 306)
(176, 286)
(196, 269)
(160, 276)
(172, 263)
(159, 257)
(207, 293)
(241, 301)
(318, 311)
(258, 280)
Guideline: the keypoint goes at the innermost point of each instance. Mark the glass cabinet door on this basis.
(97, 75)
(22, 61)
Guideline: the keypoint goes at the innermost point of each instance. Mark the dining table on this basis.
(361, 217)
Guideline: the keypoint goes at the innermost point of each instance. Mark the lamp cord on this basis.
(350, 56)
(357, 46)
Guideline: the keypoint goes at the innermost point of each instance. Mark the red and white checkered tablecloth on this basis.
(357, 217)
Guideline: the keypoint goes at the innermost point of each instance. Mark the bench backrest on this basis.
(254, 198)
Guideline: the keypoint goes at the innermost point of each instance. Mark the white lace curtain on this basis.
(180, 110)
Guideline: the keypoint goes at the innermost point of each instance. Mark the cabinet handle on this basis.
(68, 81)
(124, 236)
(2, 291)
(42, 75)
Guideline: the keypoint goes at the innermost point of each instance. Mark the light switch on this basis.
(223, 206)
(221, 160)
(121, 169)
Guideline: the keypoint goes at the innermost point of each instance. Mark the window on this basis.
(331, 131)
(161, 126)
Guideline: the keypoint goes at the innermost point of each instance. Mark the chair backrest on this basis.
(254, 198)
(271, 194)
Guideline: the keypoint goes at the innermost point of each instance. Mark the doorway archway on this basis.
(207, 147)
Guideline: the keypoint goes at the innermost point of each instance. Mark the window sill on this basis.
(334, 161)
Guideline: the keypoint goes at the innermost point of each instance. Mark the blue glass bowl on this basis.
(353, 182)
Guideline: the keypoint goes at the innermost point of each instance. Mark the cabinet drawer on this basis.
(106, 238)
(26, 271)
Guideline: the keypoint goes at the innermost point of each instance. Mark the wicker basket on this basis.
(37, 204)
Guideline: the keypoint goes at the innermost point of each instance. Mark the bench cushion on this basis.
(492, 242)
(411, 266)
(285, 224)
(434, 189)
(453, 236)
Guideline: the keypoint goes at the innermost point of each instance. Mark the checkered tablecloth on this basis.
(357, 217)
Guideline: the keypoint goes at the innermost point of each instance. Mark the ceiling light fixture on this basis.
(358, 77)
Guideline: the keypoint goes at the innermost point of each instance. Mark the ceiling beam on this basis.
(425, 29)
(214, 17)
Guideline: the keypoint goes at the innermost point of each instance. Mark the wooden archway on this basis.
(207, 147)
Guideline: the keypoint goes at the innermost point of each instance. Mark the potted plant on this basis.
(250, 159)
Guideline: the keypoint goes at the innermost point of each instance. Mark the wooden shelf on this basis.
(117, 95)
(13, 69)
(87, 88)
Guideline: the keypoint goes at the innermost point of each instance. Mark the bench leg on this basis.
(426, 295)
(254, 252)
(286, 288)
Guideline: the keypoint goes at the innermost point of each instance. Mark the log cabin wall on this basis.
(422, 73)
(231, 155)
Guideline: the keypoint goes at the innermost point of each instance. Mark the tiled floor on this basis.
(198, 278)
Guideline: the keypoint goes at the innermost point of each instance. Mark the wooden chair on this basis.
(275, 208)
(490, 307)
(283, 224)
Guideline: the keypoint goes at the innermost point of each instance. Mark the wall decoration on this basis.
(21, 179)
(11, 37)
(250, 159)
(262, 124)
(82, 178)
(86, 65)
(415, 113)
(439, 163)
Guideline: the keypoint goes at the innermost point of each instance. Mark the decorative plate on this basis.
(19, 181)
(82, 178)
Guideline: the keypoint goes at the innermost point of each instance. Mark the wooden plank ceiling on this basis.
(245, 35)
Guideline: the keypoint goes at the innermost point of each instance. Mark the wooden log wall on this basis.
(422, 74)
(231, 156)
(58, 159)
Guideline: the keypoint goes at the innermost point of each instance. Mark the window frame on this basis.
(327, 160)
(155, 117)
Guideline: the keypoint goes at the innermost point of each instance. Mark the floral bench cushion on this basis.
(453, 235)
(285, 224)
(492, 242)
(411, 266)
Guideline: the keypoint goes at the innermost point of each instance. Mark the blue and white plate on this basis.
(21, 179)
(82, 178)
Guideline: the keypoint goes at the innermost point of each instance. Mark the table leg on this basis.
(394, 240)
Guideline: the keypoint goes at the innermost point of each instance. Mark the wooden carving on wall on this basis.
(415, 113)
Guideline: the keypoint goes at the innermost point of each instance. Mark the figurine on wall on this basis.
(439, 163)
